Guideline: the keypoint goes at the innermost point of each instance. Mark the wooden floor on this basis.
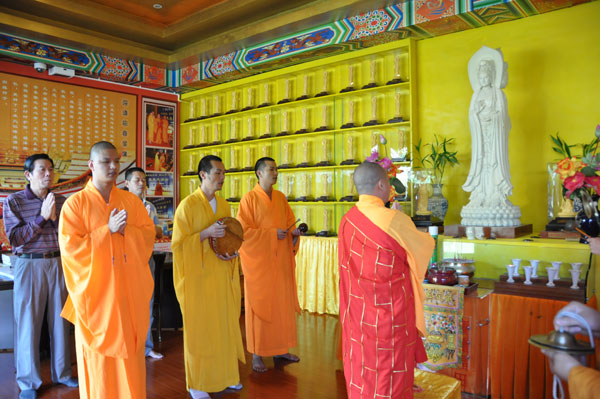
(318, 374)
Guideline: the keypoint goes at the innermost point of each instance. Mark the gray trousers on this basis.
(149, 341)
(40, 282)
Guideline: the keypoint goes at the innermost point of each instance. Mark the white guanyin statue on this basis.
(489, 176)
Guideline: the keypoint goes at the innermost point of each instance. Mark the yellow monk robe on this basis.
(269, 281)
(418, 245)
(109, 286)
(150, 124)
(584, 382)
(208, 290)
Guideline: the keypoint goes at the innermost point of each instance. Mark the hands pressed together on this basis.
(48, 210)
(117, 221)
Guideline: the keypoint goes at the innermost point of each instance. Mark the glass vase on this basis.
(438, 204)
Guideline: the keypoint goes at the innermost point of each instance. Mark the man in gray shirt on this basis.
(31, 224)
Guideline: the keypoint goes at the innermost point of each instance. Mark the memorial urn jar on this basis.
(438, 204)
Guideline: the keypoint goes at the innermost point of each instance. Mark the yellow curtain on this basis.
(317, 275)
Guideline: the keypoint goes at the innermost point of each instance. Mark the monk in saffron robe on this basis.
(151, 128)
(106, 239)
(382, 260)
(268, 262)
(207, 287)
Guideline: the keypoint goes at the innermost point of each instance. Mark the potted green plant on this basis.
(437, 157)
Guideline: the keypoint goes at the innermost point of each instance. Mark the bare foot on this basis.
(257, 364)
(289, 357)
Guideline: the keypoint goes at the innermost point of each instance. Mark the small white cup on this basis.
(528, 270)
(534, 263)
(517, 263)
(470, 233)
(576, 265)
(575, 278)
(551, 276)
(511, 271)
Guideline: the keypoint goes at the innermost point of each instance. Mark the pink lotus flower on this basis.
(373, 158)
(385, 163)
(382, 139)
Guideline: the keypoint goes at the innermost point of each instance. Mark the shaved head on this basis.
(366, 176)
(99, 147)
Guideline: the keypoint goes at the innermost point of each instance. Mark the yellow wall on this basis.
(553, 86)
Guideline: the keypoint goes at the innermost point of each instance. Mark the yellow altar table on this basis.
(317, 274)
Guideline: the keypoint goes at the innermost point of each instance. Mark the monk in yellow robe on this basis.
(106, 239)
(207, 287)
(268, 262)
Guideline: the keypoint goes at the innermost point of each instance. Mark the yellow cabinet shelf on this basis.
(317, 140)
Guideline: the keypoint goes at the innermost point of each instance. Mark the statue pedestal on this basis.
(458, 230)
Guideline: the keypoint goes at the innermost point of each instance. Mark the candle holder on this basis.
(191, 164)
(398, 117)
(249, 160)
(217, 107)
(372, 80)
(267, 133)
(373, 120)
(203, 138)
(192, 113)
(285, 130)
(305, 155)
(325, 230)
(350, 122)
(304, 127)
(324, 91)
(234, 103)
(203, 114)
(286, 160)
(304, 94)
(233, 163)
(350, 152)
(286, 98)
(267, 96)
(396, 79)
(350, 80)
(216, 134)
(323, 126)
(250, 101)
(250, 133)
(234, 132)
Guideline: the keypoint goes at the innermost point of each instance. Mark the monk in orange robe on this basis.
(106, 239)
(268, 262)
(382, 260)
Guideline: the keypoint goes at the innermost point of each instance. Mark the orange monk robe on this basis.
(418, 245)
(208, 291)
(110, 286)
(165, 131)
(584, 382)
(269, 277)
(150, 123)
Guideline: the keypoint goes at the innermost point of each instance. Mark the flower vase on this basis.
(588, 225)
(438, 204)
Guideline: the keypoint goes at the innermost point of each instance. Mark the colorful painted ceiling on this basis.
(419, 19)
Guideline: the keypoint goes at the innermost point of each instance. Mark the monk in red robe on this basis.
(268, 261)
(382, 260)
(106, 239)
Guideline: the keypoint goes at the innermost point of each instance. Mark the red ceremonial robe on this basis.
(381, 344)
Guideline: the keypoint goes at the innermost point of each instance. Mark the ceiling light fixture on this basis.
(157, 6)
